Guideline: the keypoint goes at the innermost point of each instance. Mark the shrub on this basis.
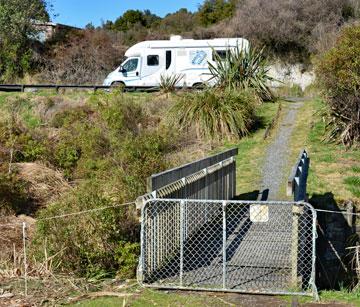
(102, 243)
(338, 73)
(168, 83)
(108, 150)
(83, 57)
(13, 195)
(243, 69)
(127, 257)
(92, 244)
(217, 114)
(285, 26)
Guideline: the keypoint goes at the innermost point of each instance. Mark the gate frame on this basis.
(312, 284)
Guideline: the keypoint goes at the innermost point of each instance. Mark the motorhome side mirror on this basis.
(121, 69)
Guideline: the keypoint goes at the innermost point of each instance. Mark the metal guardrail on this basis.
(57, 87)
(210, 178)
(298, 178)
(232, 246)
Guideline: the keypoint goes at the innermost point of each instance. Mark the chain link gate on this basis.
(235, 246)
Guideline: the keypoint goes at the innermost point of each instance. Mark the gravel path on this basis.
(277, 155)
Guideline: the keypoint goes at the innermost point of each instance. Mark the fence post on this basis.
(224, 244)
(296, 211)
(25, 258)
(182, 211)
(233, 174)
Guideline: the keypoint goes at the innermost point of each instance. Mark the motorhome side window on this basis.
(221, 53)
(153, 60)
(130, 65)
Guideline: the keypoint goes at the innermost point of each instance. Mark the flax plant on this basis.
(243, 68)
(216, 114)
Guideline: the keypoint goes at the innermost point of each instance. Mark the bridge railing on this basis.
(209, 178)
(298, 178)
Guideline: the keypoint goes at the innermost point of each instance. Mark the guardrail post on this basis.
(182, 239)
(233, 184)
(224, 244)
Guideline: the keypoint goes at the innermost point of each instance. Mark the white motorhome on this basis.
(147, 61)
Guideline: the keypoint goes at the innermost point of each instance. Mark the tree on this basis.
(90, 26)
(213, 11)
(151, 20)
(178, 22)
(17, 28)
(129, 19)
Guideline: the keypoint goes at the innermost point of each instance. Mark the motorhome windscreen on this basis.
(130, 65)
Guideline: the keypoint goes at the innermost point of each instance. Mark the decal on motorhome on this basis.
(197, 57)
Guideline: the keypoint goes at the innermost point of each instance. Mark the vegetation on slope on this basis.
(338, 72)
(105, 145)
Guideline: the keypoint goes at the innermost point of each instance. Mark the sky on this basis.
(80, 12)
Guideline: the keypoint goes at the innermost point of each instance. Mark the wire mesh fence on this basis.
(236, 246)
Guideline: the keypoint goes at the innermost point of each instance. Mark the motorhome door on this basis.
(131, 70)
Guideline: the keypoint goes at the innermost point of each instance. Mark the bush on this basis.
(243, 69)
(338, 72)
(14, 198)
(287, 27)
(108, 148)
(168, 83)
(82, 57)
(217, 114)
(92, 244)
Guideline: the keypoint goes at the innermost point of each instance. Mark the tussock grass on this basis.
(216, 114)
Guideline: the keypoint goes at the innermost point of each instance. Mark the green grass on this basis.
(331, 164)
(177, 298)
(252, 150)
(353, 185)
(157, 298)
(343, 296)
(356, 169)
(329, 297)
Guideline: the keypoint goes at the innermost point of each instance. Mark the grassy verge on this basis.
(158, 298)
(149, 297)
(252, 151)
(334, 169)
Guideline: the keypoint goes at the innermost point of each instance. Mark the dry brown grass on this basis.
(11, 241)
(44, 184)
